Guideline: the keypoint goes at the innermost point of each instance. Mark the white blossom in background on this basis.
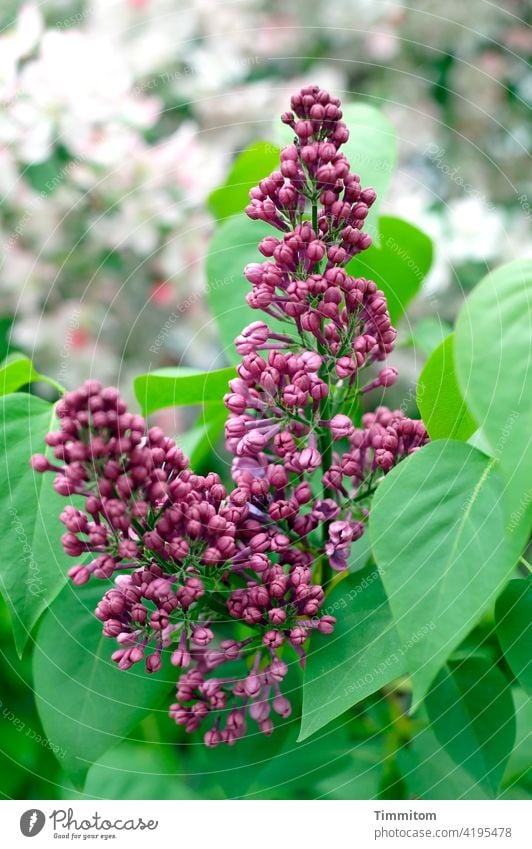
(117, 121)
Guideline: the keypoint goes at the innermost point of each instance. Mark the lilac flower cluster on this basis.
(300, 377)
(188, 558)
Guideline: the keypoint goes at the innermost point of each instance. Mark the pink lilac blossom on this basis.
(189, 558)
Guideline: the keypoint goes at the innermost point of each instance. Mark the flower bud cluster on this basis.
(188, 559)
(304, 461)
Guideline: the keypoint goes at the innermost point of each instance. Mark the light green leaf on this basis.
(232, 247)
(362, 655)
(471, 710)
(200, 440)
(427, 334)
(399, 265)
(438, 536)
(179, 387)
(16, 371)
(249, 168)
(33, 566)
(493, 365)
(86, 704)
(135, 770)
(438, 397)
(513, 614)
(359, 554)
(372, 152)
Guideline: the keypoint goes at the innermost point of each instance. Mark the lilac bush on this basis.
(196, 564)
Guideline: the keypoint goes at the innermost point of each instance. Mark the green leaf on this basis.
(492, 356)
(438, 397)
(359, 554)
(371, 151)
(135, 770)
(16, 371)
(45, 177)
(86, 704)
(330, 764)
(471, 710)
(399, 265)
(519, 767)
(430, 772)
(427, 334)
(232, 247)
(437, 530)
(362, 655)
(6, 324)
(179, 387)
(252, 165)
(361, 777)
(513, 614)
(33, 566)
(200, 440)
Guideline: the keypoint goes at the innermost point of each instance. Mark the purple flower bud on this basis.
(252, 685)
(282, 706)
(341, 426)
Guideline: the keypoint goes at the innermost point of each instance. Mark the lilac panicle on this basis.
(186, 557)
(287, 407)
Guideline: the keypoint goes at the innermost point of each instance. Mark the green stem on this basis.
(325, 449)
(525, 563)
(51, 382)
(315, 217)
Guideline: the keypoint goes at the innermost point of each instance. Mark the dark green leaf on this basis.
(360, 657)
(437, 531)
(85, 702)
(252, 165)
(33, 567)
(430, 772)
(513, 613)
(472, 714)
(178, 387)
(519, 767)
(331, 764)
(438, 397)
(399, 265)
(45, 177)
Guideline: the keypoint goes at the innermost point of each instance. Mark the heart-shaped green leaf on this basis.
(438, 534)
(86, 703)
(439, 399)
(361, 655)
(33, 566)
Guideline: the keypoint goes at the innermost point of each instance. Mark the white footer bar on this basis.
(267, 824)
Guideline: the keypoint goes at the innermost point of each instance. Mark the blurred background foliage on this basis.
(117, 122)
